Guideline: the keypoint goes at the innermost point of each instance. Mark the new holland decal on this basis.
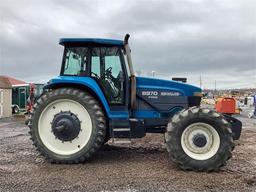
(156, 94)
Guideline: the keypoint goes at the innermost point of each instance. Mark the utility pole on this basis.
(215, 87)
(200, 81)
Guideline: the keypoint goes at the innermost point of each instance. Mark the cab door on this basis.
(108, 69)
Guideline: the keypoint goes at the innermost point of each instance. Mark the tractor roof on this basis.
(91, 41)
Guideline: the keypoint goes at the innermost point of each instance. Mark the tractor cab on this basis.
(100, 59)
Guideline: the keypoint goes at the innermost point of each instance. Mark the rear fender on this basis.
(84, 83)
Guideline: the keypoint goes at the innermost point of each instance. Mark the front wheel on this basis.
(67, 125)
(199, 139)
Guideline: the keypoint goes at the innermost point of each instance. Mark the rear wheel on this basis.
(199, 139)
(67, 125)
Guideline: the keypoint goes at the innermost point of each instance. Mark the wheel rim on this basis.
(46, 135)
(200, 141)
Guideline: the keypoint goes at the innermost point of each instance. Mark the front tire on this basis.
(67, 125)
(199, 139)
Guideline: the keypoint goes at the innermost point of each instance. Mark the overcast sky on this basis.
(181, 38)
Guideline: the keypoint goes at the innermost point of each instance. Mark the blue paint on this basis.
(159, 84)
(152, 83)
(142, 82)
(147, 114)
(155, 114)
(86, 81)
(92, 84)
(118, 114)
(113, 42)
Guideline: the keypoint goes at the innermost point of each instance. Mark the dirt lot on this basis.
(143, 166)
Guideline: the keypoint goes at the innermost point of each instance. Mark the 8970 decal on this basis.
(156, 94)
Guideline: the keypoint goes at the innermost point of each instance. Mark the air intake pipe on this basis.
(132, 74)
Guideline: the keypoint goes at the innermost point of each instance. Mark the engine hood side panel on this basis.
(152, 83)
(162, 96)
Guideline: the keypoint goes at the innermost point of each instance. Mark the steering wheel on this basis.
(108, 72)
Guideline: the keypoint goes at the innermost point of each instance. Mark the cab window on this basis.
(75, 61)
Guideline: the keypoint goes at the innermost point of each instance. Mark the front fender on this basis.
(236, 126)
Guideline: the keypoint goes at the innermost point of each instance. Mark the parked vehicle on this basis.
(97, 97)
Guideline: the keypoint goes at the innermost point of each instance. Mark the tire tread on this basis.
(176, 153)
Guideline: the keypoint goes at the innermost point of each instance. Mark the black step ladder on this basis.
(121, 132)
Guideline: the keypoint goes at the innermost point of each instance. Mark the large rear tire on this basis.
(199, 139)
(67, 125)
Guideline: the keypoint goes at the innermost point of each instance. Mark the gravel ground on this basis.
(142, 166)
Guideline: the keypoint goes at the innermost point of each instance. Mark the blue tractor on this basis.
(97, 97)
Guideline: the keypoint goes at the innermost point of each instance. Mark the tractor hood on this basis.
(171, 87)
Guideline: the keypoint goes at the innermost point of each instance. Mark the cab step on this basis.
(121, 141)
(121, 131)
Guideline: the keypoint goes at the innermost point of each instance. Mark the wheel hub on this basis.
(66, 126)
(199, 140)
